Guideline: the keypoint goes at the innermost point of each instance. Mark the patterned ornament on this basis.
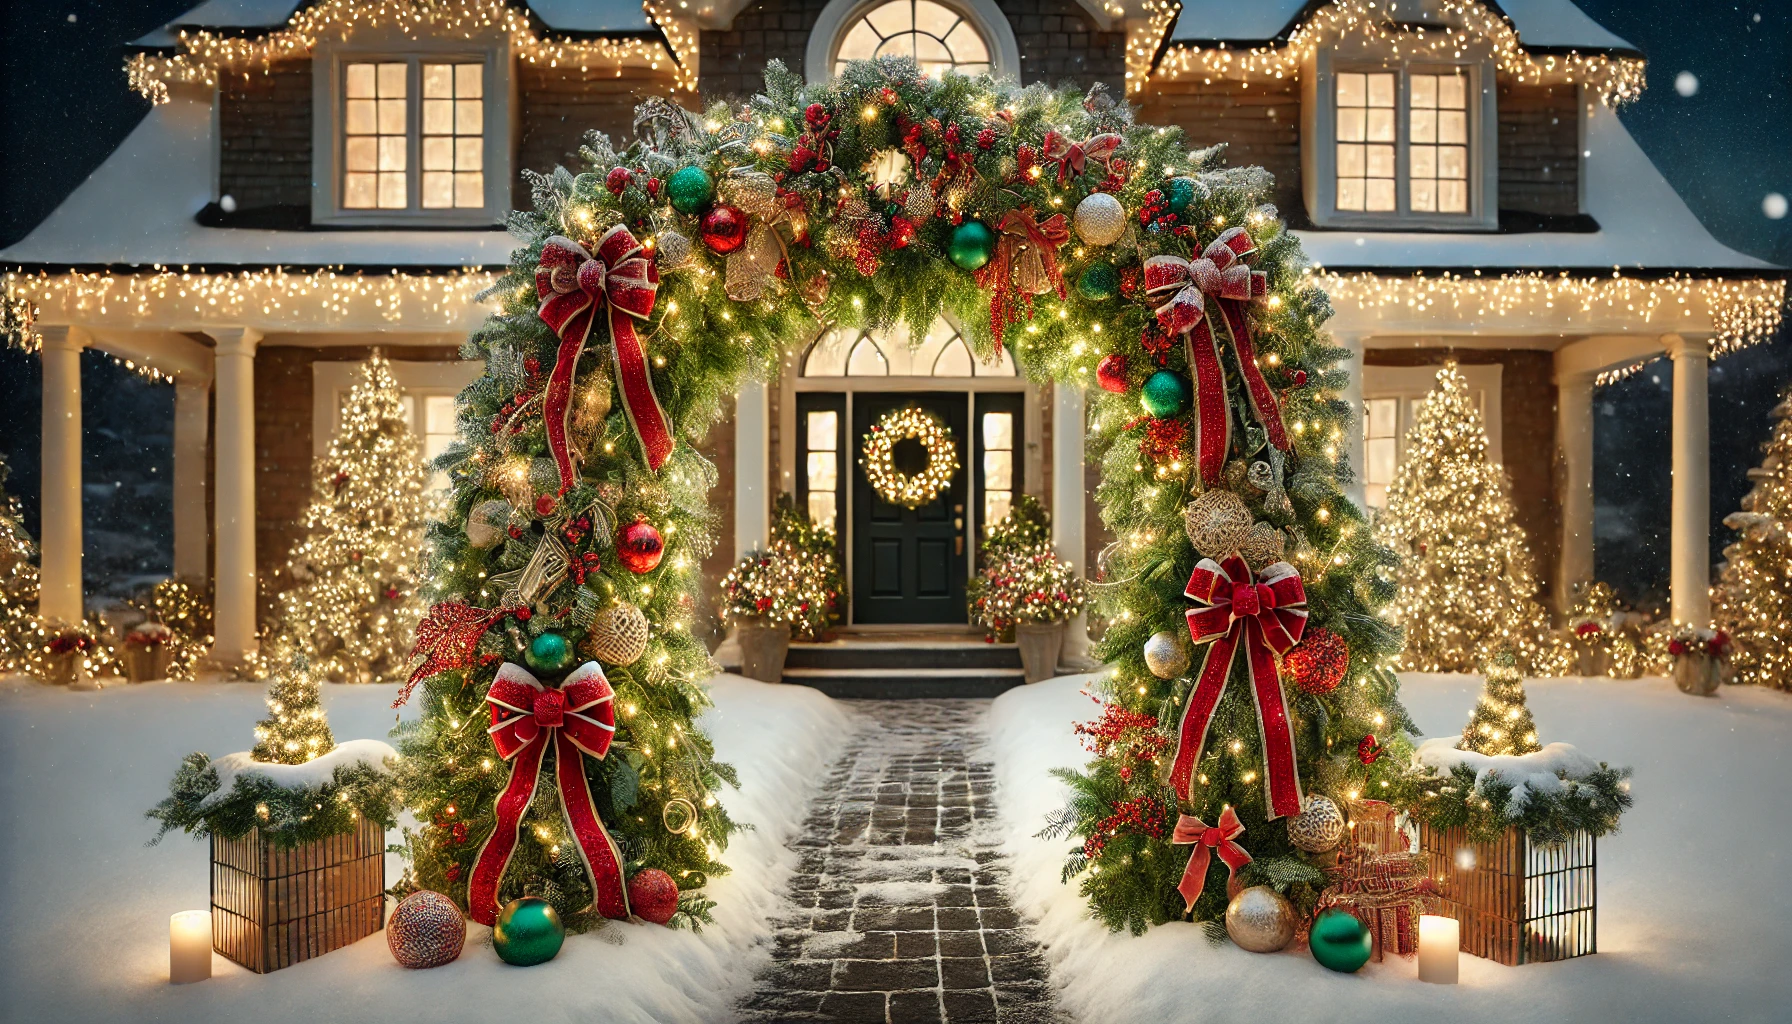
(1217, 523)
(528, 932)
(1166, 654)
(972, 245)
(816, 288)
(639, 546)
(426, 930)
(1263, 546)
(1166, 394)
(1099, 282)
(618, 635)
(1340, 941)
(674, 250)
(920, 202)
(724, 229)
(1100, 219)
(1318, 827)
(1319, 664)
(487, 522)
(653, 895)
(548, 653)
(1260, 920)
(1110, 373)
(690, 189)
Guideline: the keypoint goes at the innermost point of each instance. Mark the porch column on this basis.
(1574, 432)
(1353, 431)
(1690, 579)
(59, 594)
(234, 562)
(752, 467)
(191, 425)
(1069, 428)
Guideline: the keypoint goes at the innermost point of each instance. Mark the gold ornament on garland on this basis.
(678, 815)
(618, 635)
(1318, 827)
(1218, 523)
(1262, 546)
(895, 486)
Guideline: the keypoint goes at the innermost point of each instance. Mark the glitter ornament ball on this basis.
(1110, 373)
(528, 932)
(724, 229)
(426, 930)
(1218, 523)
(618, 635)
(674, 250)
(1100, 219)
(1340, 941)
(652, 895)
(1319, 663)
(1180, 193)
(1318, 827)
(549, 653)
(1264, 546)
(487, 522)
(1260, 919)
(690, 189)
(1099, 283)
(1166, 655)
(639, 546)
(972, 245)
(1166, 394)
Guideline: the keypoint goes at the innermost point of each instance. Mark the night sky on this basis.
(1722, 134)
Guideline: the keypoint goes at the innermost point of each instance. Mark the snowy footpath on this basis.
(1694, 915)
(86, 904)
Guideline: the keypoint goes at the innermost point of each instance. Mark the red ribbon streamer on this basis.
(579, 718)
(1026, 261)
(573, 286)
(1218, 839)
(1266, 617)
(1073, 157)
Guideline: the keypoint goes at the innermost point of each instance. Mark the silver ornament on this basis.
(1318, 827)
(1166, 655)
(487, 521)
(1260, 919)
(1100, 219)
(674, 250)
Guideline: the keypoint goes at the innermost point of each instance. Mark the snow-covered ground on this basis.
(1694, 914)
(86, 904)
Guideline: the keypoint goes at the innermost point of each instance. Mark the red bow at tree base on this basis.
(1220, 839)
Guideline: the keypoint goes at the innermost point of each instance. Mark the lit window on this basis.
(998, 466)
(413, 136)
(939, 38)
(1424, 171)
(453, 136)
(1381, 448)
(823, 469)
(1366, 142)
(1438, 152)
(374, 137)
(942, 353)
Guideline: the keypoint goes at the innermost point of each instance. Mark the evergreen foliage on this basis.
(21, 635)
(295, 730)
(1501, 721)
(1753, 598)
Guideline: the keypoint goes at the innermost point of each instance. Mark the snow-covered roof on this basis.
(595, 17)
(1540, 24)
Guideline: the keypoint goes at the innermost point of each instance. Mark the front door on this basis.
(908, 564)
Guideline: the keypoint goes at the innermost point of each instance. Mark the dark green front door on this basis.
(908, 564)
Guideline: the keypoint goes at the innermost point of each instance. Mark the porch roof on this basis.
(250, 17)
(1542, 25)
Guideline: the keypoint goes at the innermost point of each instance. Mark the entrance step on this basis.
(887, 665)
(892, 683)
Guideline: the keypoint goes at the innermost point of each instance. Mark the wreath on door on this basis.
(910, 490)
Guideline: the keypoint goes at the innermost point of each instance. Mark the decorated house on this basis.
(315, 179)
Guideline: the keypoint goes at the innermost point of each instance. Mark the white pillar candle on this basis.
(190, 946)
(1440, 939)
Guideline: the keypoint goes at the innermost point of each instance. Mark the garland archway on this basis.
(1099, 252)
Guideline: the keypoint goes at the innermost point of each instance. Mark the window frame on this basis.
(839, 16)
(1409, 385)
(328, 144)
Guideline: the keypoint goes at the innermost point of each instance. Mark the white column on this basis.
(1353, 431)
(1574, 432)
(1690, 579)
(59, 593)
(1069, 430)
(752, 469)
(234, 561)
(192, 398)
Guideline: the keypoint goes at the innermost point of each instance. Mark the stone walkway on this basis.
(903, 918)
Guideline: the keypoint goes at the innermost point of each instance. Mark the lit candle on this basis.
(1440, 939)
(190, 946)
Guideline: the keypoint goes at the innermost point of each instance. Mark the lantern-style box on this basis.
(273, 907)
(1519, 901)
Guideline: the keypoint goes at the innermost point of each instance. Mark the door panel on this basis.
(909, 564)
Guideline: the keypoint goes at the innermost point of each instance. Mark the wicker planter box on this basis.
(273, 907)
(1519, 902)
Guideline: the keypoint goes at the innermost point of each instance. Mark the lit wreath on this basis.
(893, 485)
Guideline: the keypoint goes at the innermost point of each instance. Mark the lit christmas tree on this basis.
(1753, 598)
(1501, 722)
(355, 607)
(21, 634)
(295, 730)
(1467, 587)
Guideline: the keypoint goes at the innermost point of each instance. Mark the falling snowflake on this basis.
(1773, 204)
(1686, 83)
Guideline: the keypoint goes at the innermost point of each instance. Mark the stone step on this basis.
(887, 682)
(904, 655)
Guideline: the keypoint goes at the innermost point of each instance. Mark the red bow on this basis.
(1207, 841)
(1181, 287)
(579, 718)
(1267, 616)
(573, 286)
(1026, 257)
(1073, 158)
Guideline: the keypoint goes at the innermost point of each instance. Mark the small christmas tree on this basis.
(1466, 583)
(355, 607)
(1501, 722)
(296, 729)
(1753, 599)
(21, 634)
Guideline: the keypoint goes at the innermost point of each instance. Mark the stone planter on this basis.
(62, 669)
(144, 663)
(1697, 674)
(763, 647)
(1039, 644)
(1592, 662)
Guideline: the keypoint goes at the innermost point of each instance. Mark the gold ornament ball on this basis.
(1260, 919)
(674, 250)
(1218, 523)
(1263, 546)
(1166, 655)
(1318, 827)
(1100, 219)
(618, 635)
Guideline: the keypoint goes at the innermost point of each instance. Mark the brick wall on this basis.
(734, 58)
(557, 106)
(264, 136)
(1260, 125)
(1527, 438)
(1539, 143)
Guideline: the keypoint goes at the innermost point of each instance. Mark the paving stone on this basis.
(885, 975)
(853, 1007)
(964, 972)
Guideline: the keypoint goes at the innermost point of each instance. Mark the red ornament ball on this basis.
(618, 179)
(1368, 749)
(1300, 378)
(1319, 664)
(724, 229)
(544, 505)
(1110, 373)
(639, 546)
(653, 895)
(426, 930)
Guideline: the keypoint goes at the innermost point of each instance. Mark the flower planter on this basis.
(1039, 644)
(1697, 674)
(273, 907)
(144, 663)
(62, 669)
(763, 648)
(1593, 663)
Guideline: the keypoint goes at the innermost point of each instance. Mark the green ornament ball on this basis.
(1099, 283)
(1180, 193)
(690, 189)
(549, 652)
(1340, 941)
(1166, 394)
(528, 932)
(972, 245)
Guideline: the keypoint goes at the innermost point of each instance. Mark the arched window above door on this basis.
(969, 36)
(854, 353)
